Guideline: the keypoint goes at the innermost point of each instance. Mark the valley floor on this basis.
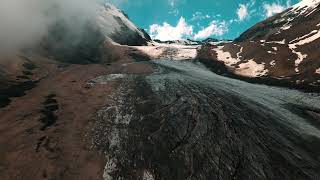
(157, 120)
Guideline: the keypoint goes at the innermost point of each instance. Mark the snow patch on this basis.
(251, 69)
(300, 58)
(238, 54)
(248, 69)
(270, 52)
(277, 42)
(286, 27)
(306, 39)
(153, 51)
(147, 175)
(273, 63)
(226, 56)
(305, 5)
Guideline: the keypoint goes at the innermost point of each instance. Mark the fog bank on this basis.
(24, 22)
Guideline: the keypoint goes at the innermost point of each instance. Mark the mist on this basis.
(23, 23)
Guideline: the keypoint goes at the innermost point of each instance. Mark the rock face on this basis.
(283, 49)
(116, 25)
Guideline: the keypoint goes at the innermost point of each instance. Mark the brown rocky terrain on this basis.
(47, 115)
(280, 50)
(48, 103)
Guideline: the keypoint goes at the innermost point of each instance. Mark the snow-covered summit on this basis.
(306, 4)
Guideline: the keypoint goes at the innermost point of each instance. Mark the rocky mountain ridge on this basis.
(109, 26)
(282, 49)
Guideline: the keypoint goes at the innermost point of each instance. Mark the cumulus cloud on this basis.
(242, 12)
(273, 8)
(24, 22)
(183, 30)
(215, 28)
(166, 31)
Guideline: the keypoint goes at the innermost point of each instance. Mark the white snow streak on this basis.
(273, 63)
(306, 39)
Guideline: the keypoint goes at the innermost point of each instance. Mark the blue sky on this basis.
(199, 19)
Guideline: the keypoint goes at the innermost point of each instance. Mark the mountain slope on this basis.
(117, 26)
(282, 49)
(47, 102)
(86, 45)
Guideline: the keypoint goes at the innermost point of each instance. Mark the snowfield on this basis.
(169, 51)
(251, 69)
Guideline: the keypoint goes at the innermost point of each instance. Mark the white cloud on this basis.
(172, 3)
(274, 8)
(242, 12)
(288, 3)
(215, 28)
(183, 30)
(198, 16)
(23, 23)
(174, 12)
(166, 31)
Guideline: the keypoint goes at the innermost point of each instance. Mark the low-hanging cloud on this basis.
(25, 22)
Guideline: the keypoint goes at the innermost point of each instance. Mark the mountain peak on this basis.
(307, 3)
